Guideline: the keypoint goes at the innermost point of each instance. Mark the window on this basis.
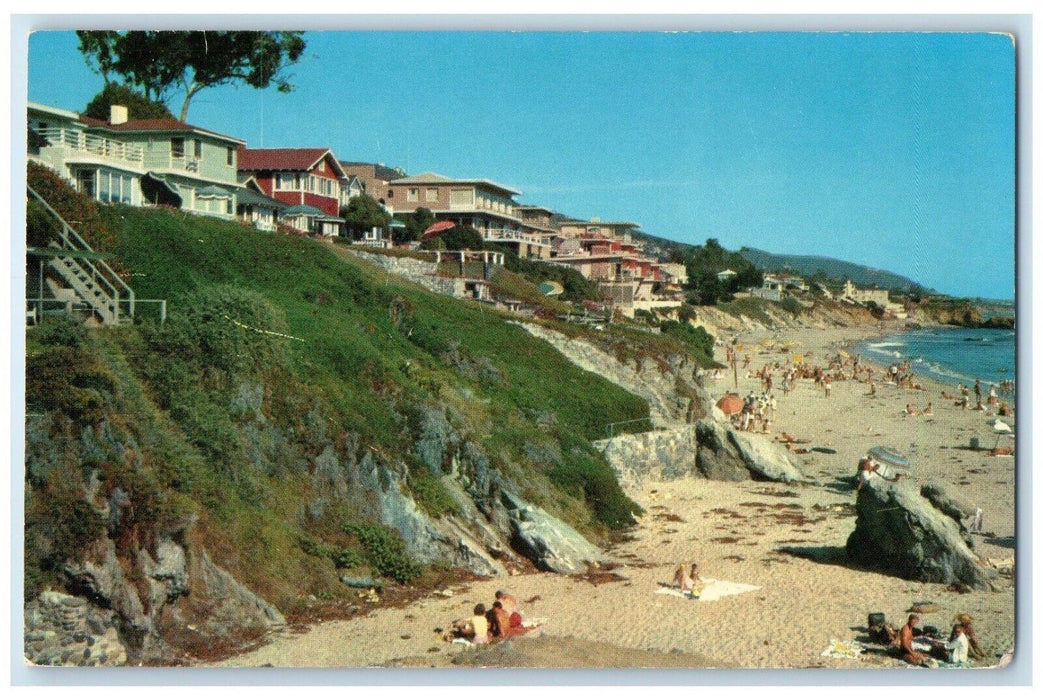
(103, 186)
(199, 149)
(177, 147)
(413, 195)
(128, 183)
(228, 206)
(284, 181)
(431, 195)
(391, 194)
(311, 183)
(230, 158)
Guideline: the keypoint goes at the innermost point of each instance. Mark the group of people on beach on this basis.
(498, 622)
(922, 647)
(756, 414)
(992, 401)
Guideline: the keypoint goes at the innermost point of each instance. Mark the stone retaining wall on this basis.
(63, 630)
(657, 455)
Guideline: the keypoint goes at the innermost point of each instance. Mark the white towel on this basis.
(712, 590)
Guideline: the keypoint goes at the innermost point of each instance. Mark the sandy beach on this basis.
(806, 597)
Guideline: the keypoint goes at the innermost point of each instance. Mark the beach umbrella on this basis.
(890, 456)
(436, 229)
(730, 403)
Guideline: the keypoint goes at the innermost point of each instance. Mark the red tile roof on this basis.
(282, 158)
(164, 125)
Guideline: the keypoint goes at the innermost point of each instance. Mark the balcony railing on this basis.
(498, 234)
(82, 142)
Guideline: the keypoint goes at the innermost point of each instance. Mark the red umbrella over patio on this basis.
(730, 403)
(437, 229)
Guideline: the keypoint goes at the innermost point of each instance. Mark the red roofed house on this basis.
(309, 180)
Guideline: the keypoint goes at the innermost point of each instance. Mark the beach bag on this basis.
(876, 620)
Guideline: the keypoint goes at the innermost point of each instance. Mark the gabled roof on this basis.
(298, 159)
(436, 179)
(154, 126)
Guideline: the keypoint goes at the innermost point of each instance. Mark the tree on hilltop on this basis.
(160, 62)
(138, 106)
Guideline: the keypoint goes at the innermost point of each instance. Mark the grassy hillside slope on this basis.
(278, 359)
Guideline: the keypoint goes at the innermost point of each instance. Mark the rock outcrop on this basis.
(726, 454)
(657, 454)
(898, 531)
(551, 544)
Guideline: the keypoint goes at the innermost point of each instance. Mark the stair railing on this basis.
(98, 270)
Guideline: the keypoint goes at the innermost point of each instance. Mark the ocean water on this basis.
(950, 355)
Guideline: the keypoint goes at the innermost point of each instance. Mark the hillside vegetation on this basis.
(269, 419)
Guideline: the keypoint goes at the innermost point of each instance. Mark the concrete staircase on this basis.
(77, 280)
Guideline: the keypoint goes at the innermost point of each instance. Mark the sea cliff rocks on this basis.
(726, 454)
(899, 531)
(549, 543)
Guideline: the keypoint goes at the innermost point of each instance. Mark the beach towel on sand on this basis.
(843, 650)
(712, 589)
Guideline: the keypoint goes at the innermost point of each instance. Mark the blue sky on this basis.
(894, 150)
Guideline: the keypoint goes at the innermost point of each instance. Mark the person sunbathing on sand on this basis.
(682, 579)
(909, 654)
(910, 411)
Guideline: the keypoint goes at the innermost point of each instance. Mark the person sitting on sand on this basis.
(910, 411)
(510, 604)
(480, 625)
(503, 621)
(909, 654)
(958, 646)
(966, 623)
(928, 411)
(682, 579)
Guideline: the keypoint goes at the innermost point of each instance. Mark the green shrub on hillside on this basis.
(72, 381)
(385, 551)
(695, 338)
(588, 477)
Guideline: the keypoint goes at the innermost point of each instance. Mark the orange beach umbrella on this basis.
(730, 403)
(436, 229)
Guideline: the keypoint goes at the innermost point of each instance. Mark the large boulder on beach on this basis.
(726, 454)
(717, 457)
(898, 531)
(551, 544)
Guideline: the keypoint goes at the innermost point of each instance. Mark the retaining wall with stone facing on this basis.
(63, 630)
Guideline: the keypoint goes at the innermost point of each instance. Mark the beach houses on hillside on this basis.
(138, 161)
(486, 206)
(606, 252)
(307, 180)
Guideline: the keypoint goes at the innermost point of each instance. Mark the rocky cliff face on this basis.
(656, 383)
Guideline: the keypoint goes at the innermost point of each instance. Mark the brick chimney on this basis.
(117, 114)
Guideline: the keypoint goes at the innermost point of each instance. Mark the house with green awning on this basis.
(140, 162)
